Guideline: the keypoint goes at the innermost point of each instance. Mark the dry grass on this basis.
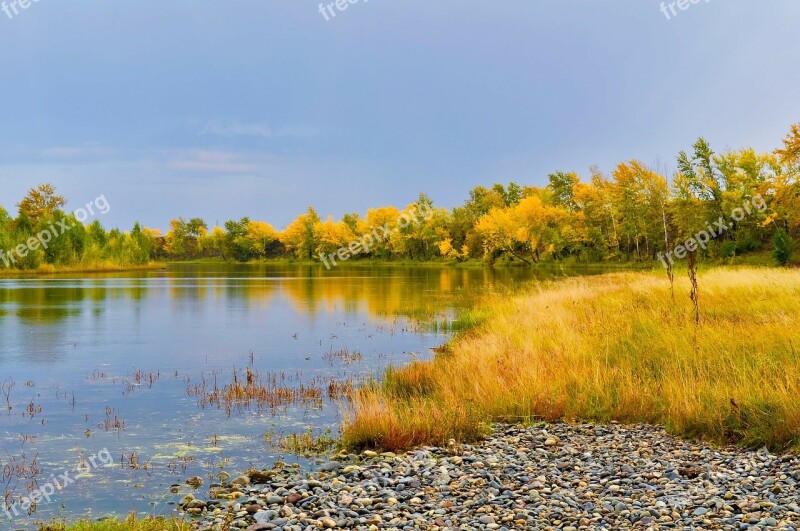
(268, 392)
(131, 523)
(613, 347)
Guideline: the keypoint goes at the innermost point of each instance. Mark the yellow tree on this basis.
(332, 236)
(420, 227)
(299, 237)
(786, 187)
(594, 201)
(640, 195)
(214, 243)
(260, 236)
(747, 174)
(532, 219)
(40, 202)
(176, 241)
(447, 250)
(499, 231)
(379, 224)
(790, 153)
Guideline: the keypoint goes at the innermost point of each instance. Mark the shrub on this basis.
(783, 247)
(729, 249)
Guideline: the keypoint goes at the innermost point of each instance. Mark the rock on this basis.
(331, 467)
(258, 477)
(261, 527)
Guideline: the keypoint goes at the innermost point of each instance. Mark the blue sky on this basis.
(262, 107)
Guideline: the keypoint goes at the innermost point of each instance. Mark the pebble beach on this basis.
(570, 477)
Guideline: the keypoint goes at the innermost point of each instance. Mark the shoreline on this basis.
(581, 476)
(90, 269)
(758, 260)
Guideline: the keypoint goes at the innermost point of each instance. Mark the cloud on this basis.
(228, 129)
(85, 151)
(237, 129)
(211, 161)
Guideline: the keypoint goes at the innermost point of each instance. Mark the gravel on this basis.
(561, 476)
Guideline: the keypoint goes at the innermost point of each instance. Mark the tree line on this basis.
(633, 213)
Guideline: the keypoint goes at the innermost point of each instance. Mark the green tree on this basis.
(236, 242)
(563, 187)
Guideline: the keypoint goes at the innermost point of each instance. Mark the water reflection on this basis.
(382, 291)
(80, 342)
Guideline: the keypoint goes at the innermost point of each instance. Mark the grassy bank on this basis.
(613, 347)
(100, 267)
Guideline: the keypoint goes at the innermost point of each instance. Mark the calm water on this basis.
(114, 362)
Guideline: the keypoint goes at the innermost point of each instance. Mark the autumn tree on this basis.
(785, 190)
(500, 233)
(214, 244)
(299, 237)
(40, 202)
(261, 238)
(563, 187)
(535, 225)
(790, 152)
(379, 223)
(421, 227)
(331, 236)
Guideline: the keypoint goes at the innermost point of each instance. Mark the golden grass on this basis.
(612, 347)
(131, 523)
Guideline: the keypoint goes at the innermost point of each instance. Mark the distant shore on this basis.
(763, 259)
(85, 269)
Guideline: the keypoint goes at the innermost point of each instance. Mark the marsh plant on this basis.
(305, 444)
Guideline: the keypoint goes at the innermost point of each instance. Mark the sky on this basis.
(260, 108)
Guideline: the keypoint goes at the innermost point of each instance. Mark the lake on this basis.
(145, 379)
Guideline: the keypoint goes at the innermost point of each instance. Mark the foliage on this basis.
(634, 214)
